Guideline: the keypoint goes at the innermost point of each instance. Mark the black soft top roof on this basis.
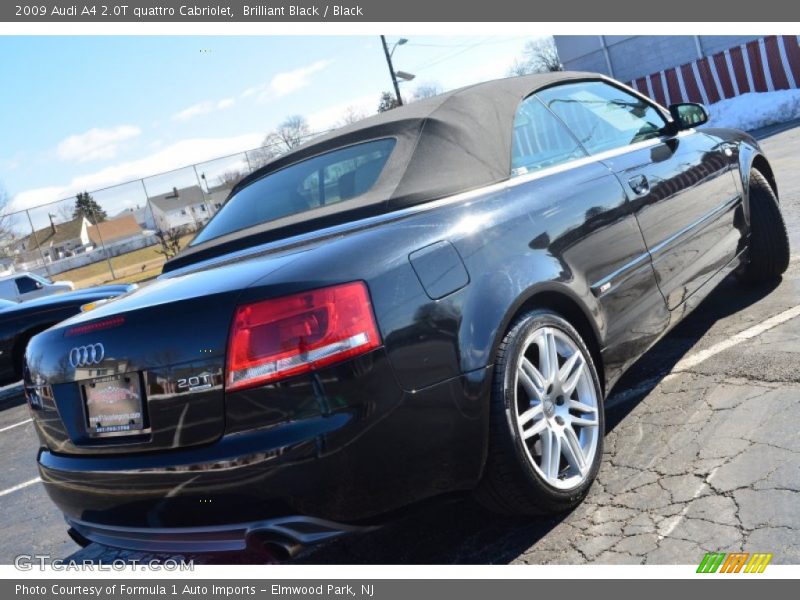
(450, 143)
(460, 139)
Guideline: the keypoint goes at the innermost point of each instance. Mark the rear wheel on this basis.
(769, 242)
(546, 436)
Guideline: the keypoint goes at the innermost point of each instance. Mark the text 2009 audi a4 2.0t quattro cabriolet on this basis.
(433, 299)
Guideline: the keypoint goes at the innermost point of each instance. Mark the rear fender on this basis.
(500, 297)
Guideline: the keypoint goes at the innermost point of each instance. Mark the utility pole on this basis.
(391, 71)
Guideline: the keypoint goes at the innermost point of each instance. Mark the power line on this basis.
(463, 44)
(448, 56)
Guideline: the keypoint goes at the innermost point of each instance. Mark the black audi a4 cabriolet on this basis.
(434, 299)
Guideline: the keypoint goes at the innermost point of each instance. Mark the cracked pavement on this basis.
(696, 460)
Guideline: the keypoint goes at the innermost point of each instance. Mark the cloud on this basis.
(179, 154)
(495, 68)
(287, 82)
(13, 163)
(332, 116)
(95, 144)
(203, 108)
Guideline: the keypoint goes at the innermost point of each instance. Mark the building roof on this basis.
(114, 229)
(178, 198)
(46, 237)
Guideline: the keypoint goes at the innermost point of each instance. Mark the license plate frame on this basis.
(114, 406)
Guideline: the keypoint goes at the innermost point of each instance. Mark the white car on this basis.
(23, 286)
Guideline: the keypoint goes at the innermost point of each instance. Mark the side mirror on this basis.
(39, 285)
(687, 115)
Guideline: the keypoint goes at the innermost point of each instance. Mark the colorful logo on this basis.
(735, 562)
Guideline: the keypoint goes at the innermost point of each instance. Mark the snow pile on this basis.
(754, 110)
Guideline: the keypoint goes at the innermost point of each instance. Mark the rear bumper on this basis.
(347, 466)
(285, 531)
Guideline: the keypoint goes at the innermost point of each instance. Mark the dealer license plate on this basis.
(114, 405)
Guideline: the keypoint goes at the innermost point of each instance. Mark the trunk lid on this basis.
(165, 342)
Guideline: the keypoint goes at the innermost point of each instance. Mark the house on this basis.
(142, 215)
(56, 241)
(184, 207)
(115, 231)
(6, 265)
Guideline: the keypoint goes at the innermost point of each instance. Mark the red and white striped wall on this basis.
(764, 65)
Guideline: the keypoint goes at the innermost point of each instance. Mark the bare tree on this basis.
(3, 207)
(261, 156)
(290, 134)
(538, 56)
(64, 212)
(388, 102)
(352, 114)
(170, 241)
(429, 89)
(230, 178)
(5, 220)
(519, 67)
(8, 224)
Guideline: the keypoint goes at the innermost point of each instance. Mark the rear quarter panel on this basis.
(561, 233)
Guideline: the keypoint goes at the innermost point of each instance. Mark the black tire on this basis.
(510, 484)
(769, 242)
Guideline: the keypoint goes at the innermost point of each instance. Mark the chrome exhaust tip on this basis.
(277, 547)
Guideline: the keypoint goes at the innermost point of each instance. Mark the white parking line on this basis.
(20, 486)
(15, 425)
(670, 524)
(692, 360)
(695, 359)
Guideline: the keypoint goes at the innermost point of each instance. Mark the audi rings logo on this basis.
(86, 356)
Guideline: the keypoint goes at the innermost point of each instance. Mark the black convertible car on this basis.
(19, 322)
(431, 300)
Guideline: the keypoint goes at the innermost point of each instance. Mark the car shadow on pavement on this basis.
(728, 298)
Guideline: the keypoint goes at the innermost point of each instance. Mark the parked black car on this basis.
(434, 299)
(19, 322)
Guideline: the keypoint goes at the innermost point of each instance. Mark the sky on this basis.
(88, 112)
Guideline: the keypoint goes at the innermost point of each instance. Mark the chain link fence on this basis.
(123, 233)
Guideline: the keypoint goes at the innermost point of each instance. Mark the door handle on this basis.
(639, 184)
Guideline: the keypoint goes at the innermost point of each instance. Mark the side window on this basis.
(343, 180)
(602, 116)
(539, 139)
(25, 285)
(335, 176)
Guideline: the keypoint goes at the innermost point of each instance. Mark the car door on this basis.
(683, 194)
(28, 288)
(8, 290)
(590, 226)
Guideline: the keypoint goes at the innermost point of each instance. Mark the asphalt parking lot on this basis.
(702, 452)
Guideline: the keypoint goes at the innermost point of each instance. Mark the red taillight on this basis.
(274, 339)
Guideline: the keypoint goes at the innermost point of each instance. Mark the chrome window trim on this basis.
(368, 222)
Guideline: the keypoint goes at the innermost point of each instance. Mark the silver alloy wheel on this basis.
(555, 408)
